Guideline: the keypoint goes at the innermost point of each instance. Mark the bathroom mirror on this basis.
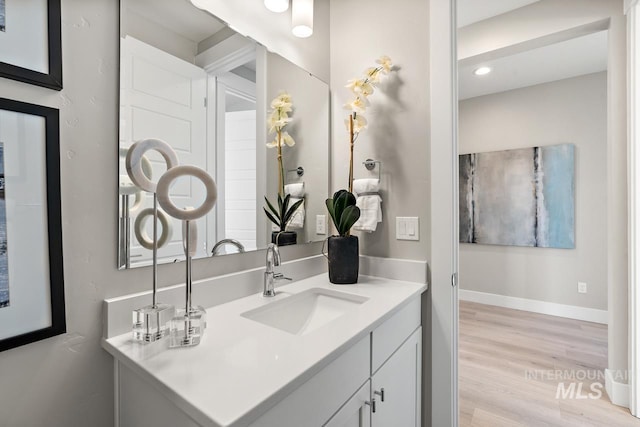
(190, 80)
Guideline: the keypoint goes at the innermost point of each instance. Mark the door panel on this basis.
(163, 97)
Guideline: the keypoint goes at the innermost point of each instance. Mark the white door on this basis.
(354, 413)
(396, 386)
(164, 97)
(236, 159)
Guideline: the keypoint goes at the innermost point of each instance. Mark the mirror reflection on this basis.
(186, 78)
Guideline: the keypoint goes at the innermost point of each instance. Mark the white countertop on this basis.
(242, 367)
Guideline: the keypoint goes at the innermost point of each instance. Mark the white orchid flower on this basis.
(285, 97)
(385, 63)
(287, 139)
(373, 74)
(359, 123)
(281, 106)
(357, 105)
(360, 87)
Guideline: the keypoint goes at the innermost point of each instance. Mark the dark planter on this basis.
(284, 238)
(344, 260)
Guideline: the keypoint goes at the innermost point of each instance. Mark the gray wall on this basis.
(567, 111)
(398, 132)
(68, 380)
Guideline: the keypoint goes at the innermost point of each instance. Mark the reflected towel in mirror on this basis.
(296, 191)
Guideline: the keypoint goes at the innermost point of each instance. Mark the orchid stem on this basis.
(351, 141)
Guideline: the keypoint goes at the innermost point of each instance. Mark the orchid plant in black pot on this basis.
(281, 217)
(278, 119)
(343, 250)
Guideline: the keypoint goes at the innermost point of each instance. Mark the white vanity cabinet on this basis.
(387, 395)
(250, 375)
(396, 386)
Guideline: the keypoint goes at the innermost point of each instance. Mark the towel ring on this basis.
(370, 164)
(299, 171)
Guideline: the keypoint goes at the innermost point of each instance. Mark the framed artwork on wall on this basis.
(30, 42)
(31, 271)
(522, 197)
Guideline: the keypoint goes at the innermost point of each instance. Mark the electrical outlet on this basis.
(582, 287)
(321, 224)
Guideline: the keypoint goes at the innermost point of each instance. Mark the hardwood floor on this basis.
(511, 364)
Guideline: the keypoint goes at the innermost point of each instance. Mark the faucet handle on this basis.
(280, 276)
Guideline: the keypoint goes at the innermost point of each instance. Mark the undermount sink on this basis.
(305, 312)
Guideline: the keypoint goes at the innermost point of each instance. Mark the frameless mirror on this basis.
(188, 79)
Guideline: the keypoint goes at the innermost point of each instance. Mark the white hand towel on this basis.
(296, 190)
(370, 204)
(297, 219)
(366, 186)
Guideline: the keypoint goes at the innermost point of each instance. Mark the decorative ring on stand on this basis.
(127, 187)
(164, 185)
(125, 190)
(134, 162)
(141, 234)
(193, 237)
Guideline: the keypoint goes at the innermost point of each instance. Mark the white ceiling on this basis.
(470, 11)
(571, 58)
(180, 16)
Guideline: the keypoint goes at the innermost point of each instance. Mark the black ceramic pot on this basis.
(344, 260)
(284, 238)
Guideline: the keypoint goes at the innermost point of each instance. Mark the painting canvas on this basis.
(522, 197)
(4, 261)
(3, 16)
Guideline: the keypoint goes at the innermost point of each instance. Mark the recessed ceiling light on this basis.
(482, 71)
(277, 6)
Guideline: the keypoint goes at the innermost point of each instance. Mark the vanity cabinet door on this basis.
(354, 413)
(396, 386)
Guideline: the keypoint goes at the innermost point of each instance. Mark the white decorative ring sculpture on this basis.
(135, 161)
(164, 184)
(127, 187)
(193, 237)
(141, 234)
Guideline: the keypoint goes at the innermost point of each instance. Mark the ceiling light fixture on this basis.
(302, 18)
(482, 71)
(277, 6)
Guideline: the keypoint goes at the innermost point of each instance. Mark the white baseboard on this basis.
(617, 391)
(536, 306)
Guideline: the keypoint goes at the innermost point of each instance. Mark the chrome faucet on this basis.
(223, 242)
(273, 260)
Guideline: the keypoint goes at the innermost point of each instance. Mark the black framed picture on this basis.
(31, 42)
(31, 271)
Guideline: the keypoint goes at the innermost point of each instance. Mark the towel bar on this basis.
(370, 164)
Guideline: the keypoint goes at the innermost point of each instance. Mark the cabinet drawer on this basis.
(314, 402)
(387, 337)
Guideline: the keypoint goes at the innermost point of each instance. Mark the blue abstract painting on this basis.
(522, 197)
(4, 260)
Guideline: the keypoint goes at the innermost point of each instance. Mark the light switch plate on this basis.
(407, 228)
(321, 224)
